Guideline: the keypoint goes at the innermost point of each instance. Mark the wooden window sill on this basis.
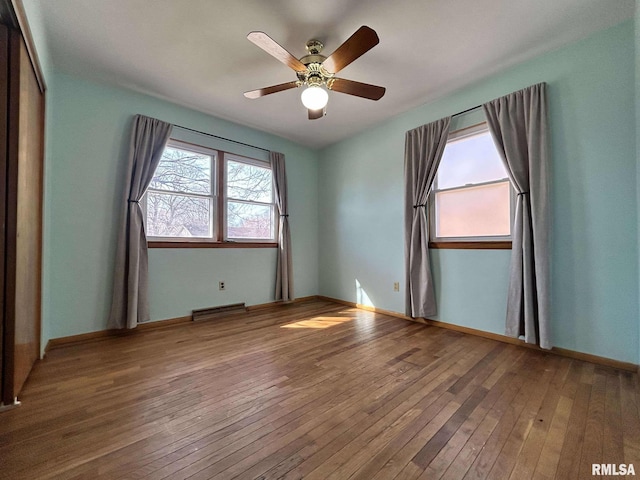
(211, 244)
(504, 245)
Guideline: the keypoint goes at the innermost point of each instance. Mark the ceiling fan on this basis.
(317, 72)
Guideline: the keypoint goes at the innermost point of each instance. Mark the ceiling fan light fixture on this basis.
(314, 97)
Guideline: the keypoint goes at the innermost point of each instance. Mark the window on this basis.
(204, 196)
(249, 199)
(180, 199)
(471, 196)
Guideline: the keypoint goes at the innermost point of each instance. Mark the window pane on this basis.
(249, 182)
(170, 215)
(470, 160)
(246, 220)
(473, 211)
(183, 171)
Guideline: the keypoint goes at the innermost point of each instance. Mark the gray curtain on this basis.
(284, 265)
(423, 150)
(518, 124)
(130, 303)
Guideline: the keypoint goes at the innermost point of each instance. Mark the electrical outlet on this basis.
(396, 286)
(220, 285)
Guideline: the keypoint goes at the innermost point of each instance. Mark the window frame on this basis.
(218, 205)
(474, 242)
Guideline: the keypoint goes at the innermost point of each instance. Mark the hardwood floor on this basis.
(316, 390)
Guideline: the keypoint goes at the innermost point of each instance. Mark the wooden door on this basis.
(4, 113)
(23, 220)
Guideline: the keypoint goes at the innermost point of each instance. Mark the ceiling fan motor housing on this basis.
(315, 75)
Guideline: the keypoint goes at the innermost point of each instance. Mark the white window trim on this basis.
(454, 137)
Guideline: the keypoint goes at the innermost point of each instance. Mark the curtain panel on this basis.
(424, 147)
(519, 126)
(130, 303)
(284, 262)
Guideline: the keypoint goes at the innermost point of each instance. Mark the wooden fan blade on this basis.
(261, 92)
(364, 90)
(315, 114)
(273, 48)
(357, 44)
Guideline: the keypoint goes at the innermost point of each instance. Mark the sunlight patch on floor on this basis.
(318, 322)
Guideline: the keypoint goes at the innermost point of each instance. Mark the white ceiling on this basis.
(195, 52)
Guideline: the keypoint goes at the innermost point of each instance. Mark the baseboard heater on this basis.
(217, 312)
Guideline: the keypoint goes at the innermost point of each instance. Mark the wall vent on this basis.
(217, 312)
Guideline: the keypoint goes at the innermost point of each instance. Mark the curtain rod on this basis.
(467, 110)
(221, 138)
(265, 150)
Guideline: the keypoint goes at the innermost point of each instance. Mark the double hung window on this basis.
(471, 199)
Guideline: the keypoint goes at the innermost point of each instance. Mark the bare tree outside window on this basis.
(250, 197)
(171, 213)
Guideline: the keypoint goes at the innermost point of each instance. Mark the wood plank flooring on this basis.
(316, 390)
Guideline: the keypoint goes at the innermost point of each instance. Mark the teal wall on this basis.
(594, 258)
(86, 153)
